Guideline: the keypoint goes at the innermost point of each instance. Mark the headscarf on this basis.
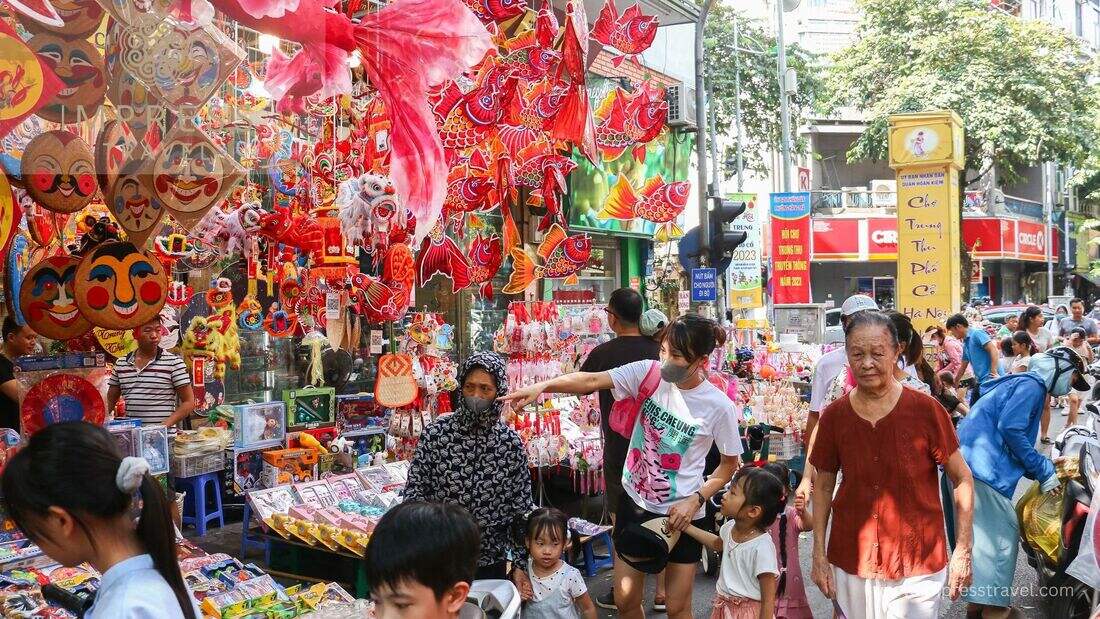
(494, 364)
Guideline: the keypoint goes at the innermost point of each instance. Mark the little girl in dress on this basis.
(791, 602)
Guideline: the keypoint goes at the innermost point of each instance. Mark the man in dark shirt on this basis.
(19, 340)
(624, 312)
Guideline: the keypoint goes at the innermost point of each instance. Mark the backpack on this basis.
(624, 412)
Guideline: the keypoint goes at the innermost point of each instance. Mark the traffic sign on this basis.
(704, 285)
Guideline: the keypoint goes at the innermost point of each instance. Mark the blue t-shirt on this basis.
(974, 351)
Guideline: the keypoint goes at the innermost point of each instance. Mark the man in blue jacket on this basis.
(997, 440)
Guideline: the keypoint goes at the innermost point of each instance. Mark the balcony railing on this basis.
(833, 202)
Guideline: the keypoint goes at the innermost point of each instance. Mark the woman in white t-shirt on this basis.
(679, 417)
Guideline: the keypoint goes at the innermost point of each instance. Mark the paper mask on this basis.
(79, 19)
(39, 10)
(58, 171)
(134, 204)
(120, 287)
(79, 66)
(190, 174)
(26, 82)
(136, 105)
(47, 299)
(188, 65)
(16, 265)
(111, 151)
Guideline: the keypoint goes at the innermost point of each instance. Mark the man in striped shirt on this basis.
(153, 382)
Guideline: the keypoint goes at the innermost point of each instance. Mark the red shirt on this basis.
(887, 520)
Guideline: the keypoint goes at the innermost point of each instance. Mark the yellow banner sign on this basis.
(926, 152)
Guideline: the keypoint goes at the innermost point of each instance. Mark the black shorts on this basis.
(686, 551)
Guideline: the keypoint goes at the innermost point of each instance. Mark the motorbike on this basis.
(1073, 599)
(493, 599)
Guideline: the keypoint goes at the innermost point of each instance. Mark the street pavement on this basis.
(1027, 601)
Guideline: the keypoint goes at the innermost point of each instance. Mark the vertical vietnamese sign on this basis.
(926, 152)
(743, 275)
(790, 213)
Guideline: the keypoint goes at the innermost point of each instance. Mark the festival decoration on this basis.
(486, 255)
(191, 175)
(79, 18)
(470, 187)
(279, 322)
(59, 398)
(467, 119)
(439, 254)
(574, 123)
(396, 386)
(78, 63)
(111, 151)
(659, 202)
(630, 121)
(630, 33)
(40, 11)
(115, 342)
(138, 107)
(189, 64)
(531, 54)
(405, 47)
(119, 286)
(59, 171)
(489, 11)
(11, 212)
(47, 301)
(26, 83)
(562, 256)
(203, 339)
(134, 204)
(543, 170)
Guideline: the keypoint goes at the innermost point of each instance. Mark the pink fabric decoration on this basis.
(406, 47)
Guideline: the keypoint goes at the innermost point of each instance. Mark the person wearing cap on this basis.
(997, 440)
(826, 370)
(980, 352)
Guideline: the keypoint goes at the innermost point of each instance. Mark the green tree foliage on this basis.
(760, 124)
(1023, 88)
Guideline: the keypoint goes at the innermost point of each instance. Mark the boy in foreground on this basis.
(421, 561)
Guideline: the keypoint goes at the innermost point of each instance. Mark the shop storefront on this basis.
(1012, 254)
(854, 255)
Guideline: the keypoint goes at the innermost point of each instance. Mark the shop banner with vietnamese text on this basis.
(743, 276)
(790, 232)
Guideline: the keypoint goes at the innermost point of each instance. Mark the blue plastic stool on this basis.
(195, 511)
(594, 562)
(253, 540)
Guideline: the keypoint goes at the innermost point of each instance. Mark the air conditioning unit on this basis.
(853, 197)
(681, 106)
(884, 193)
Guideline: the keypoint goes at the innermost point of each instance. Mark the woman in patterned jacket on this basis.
(472, 459)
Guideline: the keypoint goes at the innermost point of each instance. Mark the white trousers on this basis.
(916, 597)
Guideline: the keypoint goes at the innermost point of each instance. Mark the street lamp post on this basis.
(784, 104)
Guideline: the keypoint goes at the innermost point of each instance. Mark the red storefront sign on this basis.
(837, 239)
(876, 238)
(790, 238)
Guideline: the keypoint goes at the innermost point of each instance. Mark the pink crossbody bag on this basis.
(624, 412)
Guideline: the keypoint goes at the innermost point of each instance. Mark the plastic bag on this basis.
(1040, 517)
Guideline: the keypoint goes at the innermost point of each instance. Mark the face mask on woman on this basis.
(675, 373)
(477, 405)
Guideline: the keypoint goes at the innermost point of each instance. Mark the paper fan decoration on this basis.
(190, 64)
(79, 65)
(191, 175)
(59, 398)
(136, 104)
(79, 18)
(59, 172)
(119, 286)
(116, 343)
(396, 386)
(47, 299)
(28, 81)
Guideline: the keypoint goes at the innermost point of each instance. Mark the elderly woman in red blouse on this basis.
(887, 552)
